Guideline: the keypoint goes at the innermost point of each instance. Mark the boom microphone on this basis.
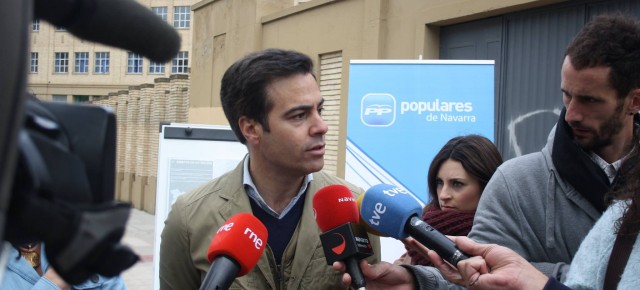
(395, 213)
(343, 239)
(234, 250)
(120, 23)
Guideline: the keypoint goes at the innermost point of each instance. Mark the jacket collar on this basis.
(576, 167)
(307, 233)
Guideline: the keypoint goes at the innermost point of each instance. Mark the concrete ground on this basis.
(140, 237)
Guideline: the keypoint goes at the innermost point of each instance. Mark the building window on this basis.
(61, 64)
(181, 16)
(60, 28)
(35, 25)
(160, 11)
(134, 63)
(156, 67)
(80, 99)
(59, 98)
(34, 63)
(180, 64)
(102, 62)
(82, 62)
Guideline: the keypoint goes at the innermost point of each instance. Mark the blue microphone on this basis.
(394, 212)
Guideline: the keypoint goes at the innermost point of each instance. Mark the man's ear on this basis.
(634, 105)
(250, 128)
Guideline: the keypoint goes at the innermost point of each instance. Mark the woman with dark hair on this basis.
(457, 176)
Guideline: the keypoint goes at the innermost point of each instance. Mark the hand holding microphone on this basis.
(343, 239)
(234, 250)
(395, 213)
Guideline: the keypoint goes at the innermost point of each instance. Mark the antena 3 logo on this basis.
(378, 110)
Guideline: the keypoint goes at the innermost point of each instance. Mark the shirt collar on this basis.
(253, 193)
(610, 169)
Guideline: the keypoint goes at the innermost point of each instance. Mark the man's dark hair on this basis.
(612, 41)
(243, 90)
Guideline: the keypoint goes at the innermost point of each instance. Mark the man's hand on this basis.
(449, 272)
(381, 276)
(497, 267)
(52, 276)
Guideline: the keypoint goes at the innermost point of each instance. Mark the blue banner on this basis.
(400, 113)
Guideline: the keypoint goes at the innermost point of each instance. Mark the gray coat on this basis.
(529, 208)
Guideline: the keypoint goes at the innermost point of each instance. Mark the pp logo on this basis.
(378, 110)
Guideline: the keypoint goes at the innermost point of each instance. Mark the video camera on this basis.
(57, 161)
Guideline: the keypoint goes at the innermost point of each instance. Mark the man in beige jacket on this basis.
(273, 104)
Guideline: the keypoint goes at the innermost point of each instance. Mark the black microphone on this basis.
(434, 240)
(120, 23)
(395, 213)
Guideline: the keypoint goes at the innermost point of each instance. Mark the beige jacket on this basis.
(197, 215)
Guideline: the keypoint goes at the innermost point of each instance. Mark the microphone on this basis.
(343, 239)
(394, 212)
(120, 23)
(234, 250)
(362, 222)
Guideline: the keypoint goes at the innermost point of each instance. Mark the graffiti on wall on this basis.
(518, 120)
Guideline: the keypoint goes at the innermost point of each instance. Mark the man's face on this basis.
(594, 112)
(295, 143)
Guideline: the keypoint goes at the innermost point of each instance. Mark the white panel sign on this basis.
(189, 155)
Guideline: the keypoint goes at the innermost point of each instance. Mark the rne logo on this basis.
(257, 241)
(378, 110)
(225, 227)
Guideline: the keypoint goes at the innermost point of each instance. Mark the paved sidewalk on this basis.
(139, 236)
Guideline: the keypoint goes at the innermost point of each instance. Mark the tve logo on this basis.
(378, 110)
(394, 191)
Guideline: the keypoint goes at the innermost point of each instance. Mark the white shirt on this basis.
(610, 169)
(253, 193)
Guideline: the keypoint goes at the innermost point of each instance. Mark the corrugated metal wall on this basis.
(528, 61)
(481, 39)
(531, 99)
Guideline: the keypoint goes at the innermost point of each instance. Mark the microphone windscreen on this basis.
(121, 23)
(362, 222)
(387, 209)
(334, 205)
(242, 238)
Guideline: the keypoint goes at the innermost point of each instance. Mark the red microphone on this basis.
(343, 239)
(234, 250)
(333, 206)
